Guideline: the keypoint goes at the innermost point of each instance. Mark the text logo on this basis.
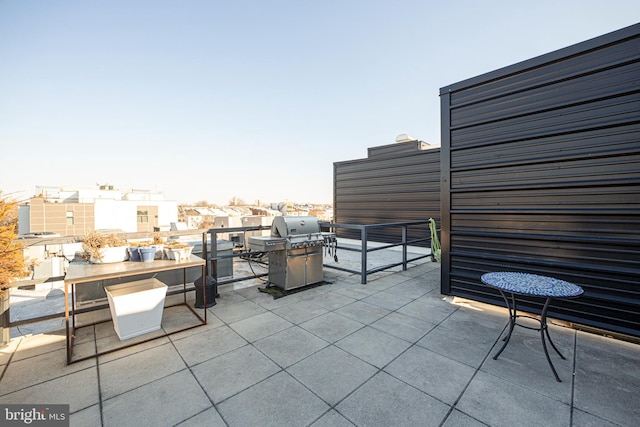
(34, 415)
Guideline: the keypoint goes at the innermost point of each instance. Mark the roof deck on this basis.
(393, 352)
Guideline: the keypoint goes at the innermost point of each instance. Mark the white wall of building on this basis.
(113, 208)
(116, 214)
(89, 195)
(143, 195)
(167, 212)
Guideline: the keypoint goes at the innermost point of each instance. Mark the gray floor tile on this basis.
(90, 416)
(29, 346)
(260, 326)
(251, 292)
(436, 375)
(523, 362)
(498, 402)
(112, 342)
(336, 286)
(180, 317)
(332, 419)
(38, 369)
(315, 292)
(385, 281)
(332, 373)
(387, 300)
(373, 346)
(279, 401)
(86, 334)
(331, 326)
(209, 418)
(271, 303)
(411, 288)
(233, 372)
(126, 351)
(583, 419)
(404, 327)
(429, 267)
(332, 300)
(149, 403)
(197, 348)
(371, 405)
(357, 292)
(464, 336)
(229, 296)
(450, 337)
(290, 346)
(432, 308)
(105, 329)
(362, 312)
(230, 313)
(458, 419)
(124, 374)
(607, 381)
(81, 391)
(300, 311)
(212, 322)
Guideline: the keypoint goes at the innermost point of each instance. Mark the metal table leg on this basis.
(512, 322)
(544, 330)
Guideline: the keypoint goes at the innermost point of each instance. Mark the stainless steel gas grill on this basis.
(295, 250)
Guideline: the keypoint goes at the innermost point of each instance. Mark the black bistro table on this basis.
(527, 284)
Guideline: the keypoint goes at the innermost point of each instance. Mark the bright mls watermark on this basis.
(34, 415)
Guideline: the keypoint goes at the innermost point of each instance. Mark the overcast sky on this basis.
(209, 100)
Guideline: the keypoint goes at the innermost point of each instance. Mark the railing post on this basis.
(404, 248)
(205, 252)
(214, 254)
(363, 255)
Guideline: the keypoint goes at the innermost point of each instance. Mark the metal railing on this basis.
(44, 241)
(212, 256)
(365, 248)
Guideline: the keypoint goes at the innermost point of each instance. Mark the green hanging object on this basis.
(435, 242)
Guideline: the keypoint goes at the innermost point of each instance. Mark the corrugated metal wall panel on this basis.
(610, 50)
(606, 142)
(389, 186)
(541, 173)
(554, 95)
(611, 112)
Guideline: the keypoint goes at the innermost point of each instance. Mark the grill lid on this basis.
(285, 226)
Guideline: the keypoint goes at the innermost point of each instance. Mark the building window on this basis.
(70, 218)
(143, 216)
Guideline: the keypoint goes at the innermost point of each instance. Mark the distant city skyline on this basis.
(209, 100)
(50, 190)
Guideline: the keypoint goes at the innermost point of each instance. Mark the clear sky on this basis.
(212, 99)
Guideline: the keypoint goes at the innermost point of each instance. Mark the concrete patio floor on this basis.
(393, 352)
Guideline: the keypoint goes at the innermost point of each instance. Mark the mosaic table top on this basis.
(531, 284)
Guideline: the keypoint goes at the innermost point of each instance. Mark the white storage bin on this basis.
(136, 307)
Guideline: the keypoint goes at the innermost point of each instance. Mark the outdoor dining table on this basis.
(526, 284)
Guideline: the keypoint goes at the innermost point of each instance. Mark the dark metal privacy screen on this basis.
(541, 173)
